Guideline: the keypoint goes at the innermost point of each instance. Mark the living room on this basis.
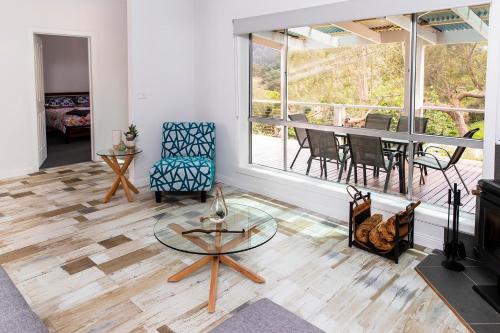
(206, 206)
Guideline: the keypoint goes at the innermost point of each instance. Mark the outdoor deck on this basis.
(267, 151)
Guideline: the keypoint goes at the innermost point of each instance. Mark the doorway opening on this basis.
(64, 114)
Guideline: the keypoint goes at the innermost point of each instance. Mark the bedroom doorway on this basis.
(63, 99)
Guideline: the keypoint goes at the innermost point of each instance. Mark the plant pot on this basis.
(130, 143)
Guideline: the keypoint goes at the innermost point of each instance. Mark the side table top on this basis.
(116, 152)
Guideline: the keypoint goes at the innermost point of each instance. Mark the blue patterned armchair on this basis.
(188, 159)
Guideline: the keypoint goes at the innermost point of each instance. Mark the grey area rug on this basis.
(265, 316)
(15, 314)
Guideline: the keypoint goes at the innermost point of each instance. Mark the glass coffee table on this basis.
(244, 228)
(110, 156)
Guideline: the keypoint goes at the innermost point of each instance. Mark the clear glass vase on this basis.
(218, 209)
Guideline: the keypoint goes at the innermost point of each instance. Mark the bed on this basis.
(68, 113)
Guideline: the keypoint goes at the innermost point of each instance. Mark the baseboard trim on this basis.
(6, 174)
(428, 241)
(141, 182)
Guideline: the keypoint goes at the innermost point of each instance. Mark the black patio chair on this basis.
(420, 128)
(325, 147)
(431, 161)
(378, 121)
(420, 124)
(368, 151)
(300, 134)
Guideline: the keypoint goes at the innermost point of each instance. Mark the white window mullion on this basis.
(412, 95)
(284, 97)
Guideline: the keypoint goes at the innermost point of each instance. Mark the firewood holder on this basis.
(401, 243)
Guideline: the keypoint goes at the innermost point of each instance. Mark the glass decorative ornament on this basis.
(218, 209)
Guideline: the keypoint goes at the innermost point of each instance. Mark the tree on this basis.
(455, 74)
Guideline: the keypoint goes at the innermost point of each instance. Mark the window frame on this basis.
(409, 136)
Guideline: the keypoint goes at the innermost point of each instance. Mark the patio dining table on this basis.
(401, 157)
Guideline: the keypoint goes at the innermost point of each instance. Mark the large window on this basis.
(394, 104)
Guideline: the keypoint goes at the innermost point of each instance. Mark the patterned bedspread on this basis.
(57, 117)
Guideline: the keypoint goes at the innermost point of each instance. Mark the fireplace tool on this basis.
(453, 248)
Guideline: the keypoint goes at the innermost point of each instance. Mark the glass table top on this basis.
(116, 152)
(243, 229)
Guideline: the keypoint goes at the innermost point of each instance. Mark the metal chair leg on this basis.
(295, 158)
(324, 166)
(349, 172)
(364, 174)
(355, 173)
(309, 161)
(342, 163)
(461, 179)
(421, 181)
(388, 176)
(446, 177)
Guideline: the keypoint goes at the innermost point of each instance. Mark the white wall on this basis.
(161, 72)
(106, 23)
(65, 64)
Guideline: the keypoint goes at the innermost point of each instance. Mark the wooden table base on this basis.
(120, 177)
(214, 262)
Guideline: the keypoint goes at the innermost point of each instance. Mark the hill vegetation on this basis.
(454, 76)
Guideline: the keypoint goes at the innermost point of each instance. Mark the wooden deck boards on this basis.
(268, 151)
(85, 266)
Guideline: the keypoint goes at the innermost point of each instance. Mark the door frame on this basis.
(90, 48)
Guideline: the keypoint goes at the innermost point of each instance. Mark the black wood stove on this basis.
(487, 236)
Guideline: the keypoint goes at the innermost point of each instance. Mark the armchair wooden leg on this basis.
(203, 196)
(158, 196)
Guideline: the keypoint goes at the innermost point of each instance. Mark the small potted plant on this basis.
(130, 136)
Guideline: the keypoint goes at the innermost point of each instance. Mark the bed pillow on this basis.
(83, 100)
(59, 101)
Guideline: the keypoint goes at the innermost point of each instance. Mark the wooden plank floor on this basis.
(268, 151)
(85, 266)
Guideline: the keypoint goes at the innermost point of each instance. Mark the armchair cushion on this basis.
(182, 174)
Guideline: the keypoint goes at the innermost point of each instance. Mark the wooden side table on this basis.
(110, 157)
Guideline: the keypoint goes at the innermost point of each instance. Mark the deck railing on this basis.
(369, 107)
(335, 113)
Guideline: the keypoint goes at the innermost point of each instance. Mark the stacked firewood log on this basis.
(381, 234)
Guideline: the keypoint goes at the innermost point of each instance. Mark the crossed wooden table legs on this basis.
(120, 177)
(214, 261)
